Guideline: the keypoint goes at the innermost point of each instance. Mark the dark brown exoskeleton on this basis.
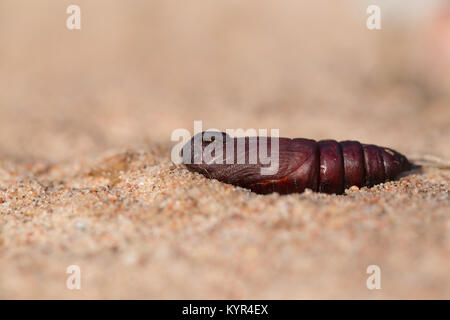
(326, 166)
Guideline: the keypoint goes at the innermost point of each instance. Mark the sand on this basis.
(86, 177)
(139, 227)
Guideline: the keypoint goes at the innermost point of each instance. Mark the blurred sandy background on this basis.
(71, 102)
